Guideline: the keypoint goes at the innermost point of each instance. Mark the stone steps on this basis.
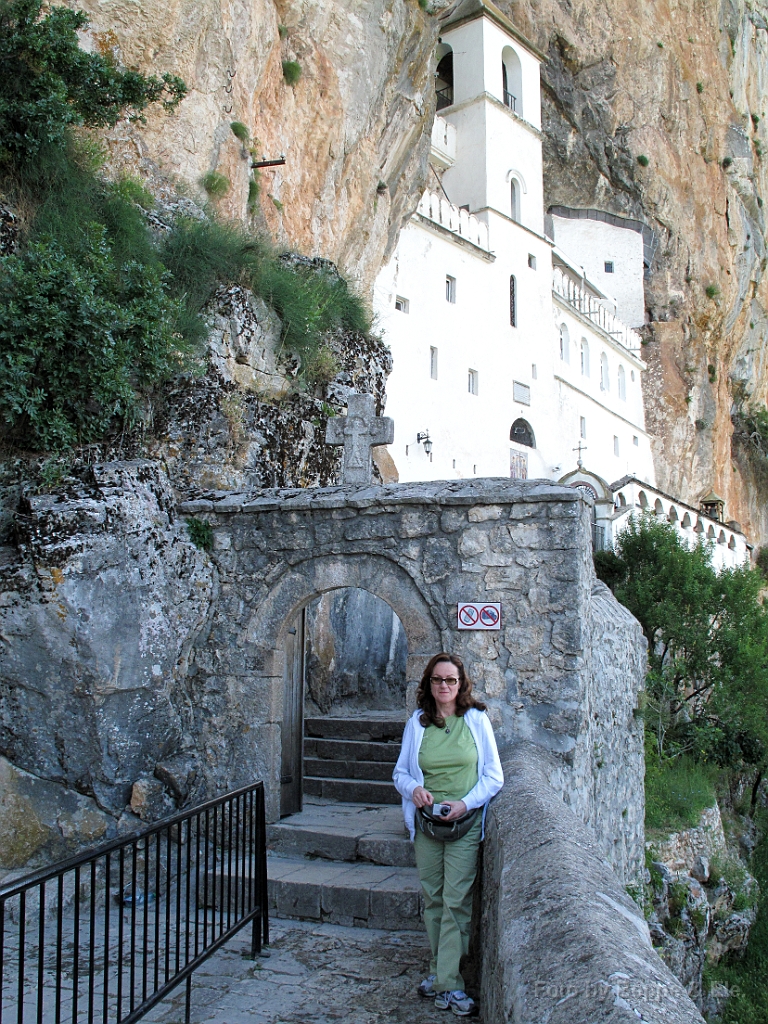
(351, 790)
(344, 832)
(359, 895)
(351, 759)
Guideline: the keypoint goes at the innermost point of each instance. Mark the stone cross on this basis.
(359, 431)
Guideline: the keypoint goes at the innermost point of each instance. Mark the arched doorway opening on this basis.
(444, 76)
(344, 699)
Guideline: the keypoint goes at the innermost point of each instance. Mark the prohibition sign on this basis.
(489, 615)
(468, 615)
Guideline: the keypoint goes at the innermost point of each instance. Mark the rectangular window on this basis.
(615, 445)
(401, 304)
(609, 266)
(582, 427)
(534, 372)
(433, 362)
(521, 393)
(635, 441)
(531, 261)
(513, 302)
(450, 288)
(472, 382)
(518, 465)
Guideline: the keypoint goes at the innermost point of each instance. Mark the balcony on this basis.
(510, 101)
(443, 151)
(436, 208)
(590, 306)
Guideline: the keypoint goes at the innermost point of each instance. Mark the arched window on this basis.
(622, 384)
(512, 300)
(512, 80)
(565, 344)
(522, 433)
(584, 357)
(605, 383)
(642, 499)
(444, 76)
(514, 200)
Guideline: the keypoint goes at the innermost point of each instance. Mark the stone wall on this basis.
(564, 671)
(562, 941)
(144, 673)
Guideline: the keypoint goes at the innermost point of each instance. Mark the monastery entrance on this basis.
(345, 659)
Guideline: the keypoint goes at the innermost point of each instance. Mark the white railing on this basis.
(437, 208)
(590, 306)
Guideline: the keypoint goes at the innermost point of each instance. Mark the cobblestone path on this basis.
(316, 974)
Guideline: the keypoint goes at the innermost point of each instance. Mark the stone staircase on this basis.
(346, 858)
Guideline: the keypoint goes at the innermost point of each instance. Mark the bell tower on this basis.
(488, 86)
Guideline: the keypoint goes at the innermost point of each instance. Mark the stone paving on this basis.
(316, 974)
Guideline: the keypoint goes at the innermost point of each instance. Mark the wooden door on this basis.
(293, 719)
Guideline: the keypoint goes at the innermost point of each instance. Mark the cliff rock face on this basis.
(683, 84)
(354, 129)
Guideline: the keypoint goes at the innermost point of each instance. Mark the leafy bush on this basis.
(711, 291)
(81, 336)
(676, 792)
(643, 160)
(291, 71)
(240, 132)
(49, 84)
(699, 87)
(200, 533)
(215, 184)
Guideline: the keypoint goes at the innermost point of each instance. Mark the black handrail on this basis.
(510, 100)
(106, 935)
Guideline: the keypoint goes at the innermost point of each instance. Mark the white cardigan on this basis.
(408, 775)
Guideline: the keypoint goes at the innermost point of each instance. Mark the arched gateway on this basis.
(562, 668)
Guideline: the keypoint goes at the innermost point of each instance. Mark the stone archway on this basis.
(273, 630)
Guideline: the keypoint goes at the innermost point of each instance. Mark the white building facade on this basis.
(511, 358)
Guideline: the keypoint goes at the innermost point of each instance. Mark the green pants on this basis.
(447, 872)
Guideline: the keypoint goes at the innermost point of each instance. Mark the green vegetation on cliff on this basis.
(707, 683)
(95, 311)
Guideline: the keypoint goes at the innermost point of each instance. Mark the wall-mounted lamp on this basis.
(424, 438)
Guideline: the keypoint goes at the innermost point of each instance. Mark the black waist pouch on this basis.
(437, 828)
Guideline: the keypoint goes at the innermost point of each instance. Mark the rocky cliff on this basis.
(681, 84)
(684, 85)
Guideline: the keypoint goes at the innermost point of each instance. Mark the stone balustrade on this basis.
(594, 309)
(436, 208)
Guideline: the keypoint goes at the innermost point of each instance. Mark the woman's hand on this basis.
(458, 807)
(422, 797)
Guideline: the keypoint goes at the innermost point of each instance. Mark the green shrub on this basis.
(200, 533)
(240, 132)
(215, 184)
(712, 373)
(82, 337)
(676, 792)
(282, 31)
(755, 121)
(699, 87)
(727, 161)
(291, 71)
(49, 84)
(711, 291)
(254, 190)
(277, 204)
(643, 160)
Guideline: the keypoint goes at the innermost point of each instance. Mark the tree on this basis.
(707, 638)
(48, 84)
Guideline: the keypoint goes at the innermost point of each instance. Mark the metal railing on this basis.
(106, 935)
(444, 97)
(510, 100)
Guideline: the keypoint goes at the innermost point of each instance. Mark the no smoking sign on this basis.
(475, 615)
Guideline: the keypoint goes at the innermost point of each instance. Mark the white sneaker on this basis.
(427, 987)
(460, 1003)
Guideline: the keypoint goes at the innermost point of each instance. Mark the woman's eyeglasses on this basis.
(450, 680)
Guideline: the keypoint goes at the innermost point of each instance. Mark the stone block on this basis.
(484, 513)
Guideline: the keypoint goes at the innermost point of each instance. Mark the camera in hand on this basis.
(445, 809)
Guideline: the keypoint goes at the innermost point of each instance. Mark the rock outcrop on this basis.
(682, 85)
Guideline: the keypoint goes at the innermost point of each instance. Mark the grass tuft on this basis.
(215, 184)
(240, 131)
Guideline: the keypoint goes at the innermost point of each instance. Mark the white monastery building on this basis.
(514, 335)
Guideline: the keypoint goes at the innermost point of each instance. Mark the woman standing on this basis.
(447, 771)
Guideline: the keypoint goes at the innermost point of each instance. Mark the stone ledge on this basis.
(483, 491)
(562, 941)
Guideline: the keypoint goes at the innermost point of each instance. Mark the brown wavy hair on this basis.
(464, 698)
